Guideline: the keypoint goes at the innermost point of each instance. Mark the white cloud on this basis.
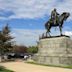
(69, 33)
(35, 8)
(26, 37)
(28, 8)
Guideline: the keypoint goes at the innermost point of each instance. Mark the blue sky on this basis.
(27, 18)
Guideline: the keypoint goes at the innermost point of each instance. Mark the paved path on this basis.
(24, 67)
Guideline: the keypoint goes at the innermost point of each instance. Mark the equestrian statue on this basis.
(56, 20)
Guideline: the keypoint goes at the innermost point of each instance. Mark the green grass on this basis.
(68, 66)
(3, 69)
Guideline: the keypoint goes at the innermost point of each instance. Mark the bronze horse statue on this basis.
(59, 22)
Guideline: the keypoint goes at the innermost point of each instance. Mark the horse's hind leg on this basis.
(48, 27)
(49, 30)
(48, 34)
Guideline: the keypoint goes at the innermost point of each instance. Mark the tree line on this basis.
(7, 45)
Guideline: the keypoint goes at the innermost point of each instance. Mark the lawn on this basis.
(69, 66)
(3, 69)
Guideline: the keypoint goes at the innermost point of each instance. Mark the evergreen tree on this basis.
(5, 40)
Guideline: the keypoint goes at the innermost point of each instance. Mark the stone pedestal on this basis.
(55, 51)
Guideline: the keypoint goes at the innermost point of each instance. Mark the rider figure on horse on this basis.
(54, 16)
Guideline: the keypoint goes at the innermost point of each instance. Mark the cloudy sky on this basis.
(27, 18)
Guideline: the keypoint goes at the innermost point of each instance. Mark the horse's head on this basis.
(65, 15)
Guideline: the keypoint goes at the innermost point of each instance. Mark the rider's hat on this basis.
(54, 9)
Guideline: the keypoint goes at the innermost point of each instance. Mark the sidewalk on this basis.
(24, 67)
